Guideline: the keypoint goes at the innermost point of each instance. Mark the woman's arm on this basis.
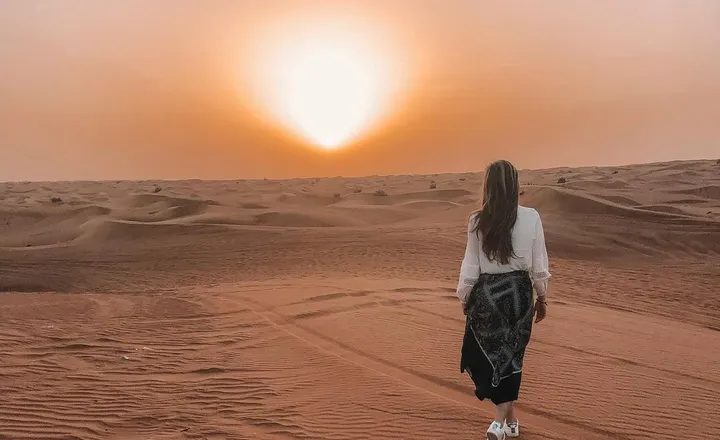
(470, 267)
(540, 272)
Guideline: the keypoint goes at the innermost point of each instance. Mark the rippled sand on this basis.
(316, 309)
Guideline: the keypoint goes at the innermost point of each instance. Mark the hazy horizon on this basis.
(122, 90)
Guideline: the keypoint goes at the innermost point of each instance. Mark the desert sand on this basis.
(316, 309)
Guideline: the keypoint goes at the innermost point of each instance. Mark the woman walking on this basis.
(505, 262)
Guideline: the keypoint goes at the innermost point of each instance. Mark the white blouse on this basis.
(529, 248)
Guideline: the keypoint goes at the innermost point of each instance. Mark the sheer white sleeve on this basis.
(470, 268)
(540, 272)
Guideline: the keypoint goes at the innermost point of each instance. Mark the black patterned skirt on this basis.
(497, 331)
(480, 371)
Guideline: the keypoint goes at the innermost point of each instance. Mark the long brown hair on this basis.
(494, 222)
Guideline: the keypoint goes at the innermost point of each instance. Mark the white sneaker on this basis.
(495, 432)
(512, 429)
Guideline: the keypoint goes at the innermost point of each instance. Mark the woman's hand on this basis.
(540, 309)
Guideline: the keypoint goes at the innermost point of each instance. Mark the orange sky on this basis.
(136, 89)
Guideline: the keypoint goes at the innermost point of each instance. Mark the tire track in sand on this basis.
(544, 424)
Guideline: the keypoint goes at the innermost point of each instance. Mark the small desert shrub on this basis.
(462, 179)
(380, 192)
(157, 189)
(717, 162)
(433, 185)
(357, 190)
(56, 200)
(562, 180)
(615, 172)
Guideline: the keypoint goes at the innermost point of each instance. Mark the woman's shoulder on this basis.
(529, 217)
(474, 215)
(527, 212)
(473, 219)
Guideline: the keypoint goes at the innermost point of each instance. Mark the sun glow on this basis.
(329, 86)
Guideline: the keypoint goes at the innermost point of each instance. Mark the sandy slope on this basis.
(315, 309)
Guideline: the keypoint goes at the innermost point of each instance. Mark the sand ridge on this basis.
(318, 309)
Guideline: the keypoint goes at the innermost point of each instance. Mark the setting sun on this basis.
(327, 86)
(328, 91)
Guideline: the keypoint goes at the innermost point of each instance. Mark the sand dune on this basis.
(707, 191)
(548, 199)
(154, 208)
(318, 309)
